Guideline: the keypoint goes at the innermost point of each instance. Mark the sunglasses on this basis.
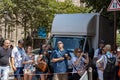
(60, 43)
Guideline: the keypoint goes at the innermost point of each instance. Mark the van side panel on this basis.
(106, 31)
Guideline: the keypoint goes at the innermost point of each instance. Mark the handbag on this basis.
(42, 66)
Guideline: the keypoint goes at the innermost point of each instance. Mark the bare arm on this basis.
(78, 60)
(28, 62)
(12, 64)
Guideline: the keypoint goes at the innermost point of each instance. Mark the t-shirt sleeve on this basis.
(14, 51)
(96, 53)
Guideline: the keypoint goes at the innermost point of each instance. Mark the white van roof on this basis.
(74, 24)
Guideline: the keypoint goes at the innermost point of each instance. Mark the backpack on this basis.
(110, 66)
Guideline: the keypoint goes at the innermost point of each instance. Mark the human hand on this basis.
(82, 54)
(30, 61)
(66, 55)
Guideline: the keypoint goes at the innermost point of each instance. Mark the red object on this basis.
(119, 70)
(119, 73)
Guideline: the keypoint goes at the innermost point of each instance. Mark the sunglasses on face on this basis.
(60, 43)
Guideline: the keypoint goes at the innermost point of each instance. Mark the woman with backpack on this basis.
(109, 63)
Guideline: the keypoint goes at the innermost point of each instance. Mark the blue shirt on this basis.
(60, 66)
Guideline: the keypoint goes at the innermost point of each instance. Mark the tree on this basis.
(98, 5)
(32, 14)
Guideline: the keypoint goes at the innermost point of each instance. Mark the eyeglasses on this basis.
(79, 51)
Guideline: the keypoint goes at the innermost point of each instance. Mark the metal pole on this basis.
(115, 28)
(90, 73)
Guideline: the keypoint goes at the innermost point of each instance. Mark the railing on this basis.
(86, 76)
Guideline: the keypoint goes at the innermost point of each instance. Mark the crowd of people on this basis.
(107, 62)
(54, 64)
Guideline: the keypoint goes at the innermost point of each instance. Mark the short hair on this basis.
(20, 41)
(108, 47)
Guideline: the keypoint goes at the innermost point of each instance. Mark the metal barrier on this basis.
(86, 76)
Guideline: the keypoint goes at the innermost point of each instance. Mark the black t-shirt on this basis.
(4, 56)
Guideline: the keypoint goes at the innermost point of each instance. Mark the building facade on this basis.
(75, 2)
(11, 32)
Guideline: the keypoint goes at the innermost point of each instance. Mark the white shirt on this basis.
(18, 55)
(103, 58)
(96, 53)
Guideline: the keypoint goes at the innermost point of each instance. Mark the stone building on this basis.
(75, 2)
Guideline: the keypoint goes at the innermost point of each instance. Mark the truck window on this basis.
(70, 43)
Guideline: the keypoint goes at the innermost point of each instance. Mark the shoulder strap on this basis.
(106, 56)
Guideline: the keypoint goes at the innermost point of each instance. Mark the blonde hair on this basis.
(108, 47)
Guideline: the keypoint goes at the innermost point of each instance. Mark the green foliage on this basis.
(103, 4)
(35, 13)
(118, 39)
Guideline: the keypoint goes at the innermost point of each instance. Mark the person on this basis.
(43, 58)
(28, 64)
(97, 55)
(59, 59)
(80, 60)
(100, 65)
(42, 48)
(17, 56)
(118, 64)
(107, 75)
(5, 53)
